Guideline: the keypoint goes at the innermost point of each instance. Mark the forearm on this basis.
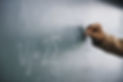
(110, 44)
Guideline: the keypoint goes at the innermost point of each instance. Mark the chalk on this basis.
(81, 31)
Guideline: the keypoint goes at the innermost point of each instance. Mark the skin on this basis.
(105, 41)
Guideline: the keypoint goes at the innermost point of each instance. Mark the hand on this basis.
(95, 31)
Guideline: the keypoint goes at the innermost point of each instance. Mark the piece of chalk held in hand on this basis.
(81, 31)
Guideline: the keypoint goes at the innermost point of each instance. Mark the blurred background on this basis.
(43, 41)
